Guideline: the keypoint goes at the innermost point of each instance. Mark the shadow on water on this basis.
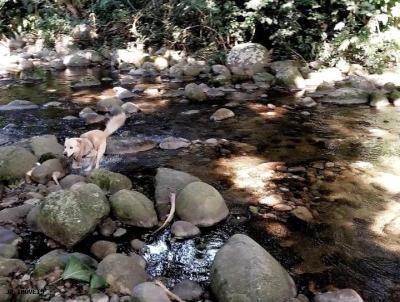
(345, 245)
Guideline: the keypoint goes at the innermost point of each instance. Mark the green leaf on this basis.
(75, 270)
(97, 282)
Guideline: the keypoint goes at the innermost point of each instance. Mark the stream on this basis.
(342, 162)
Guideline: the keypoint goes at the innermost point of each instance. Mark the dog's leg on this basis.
(100, 154)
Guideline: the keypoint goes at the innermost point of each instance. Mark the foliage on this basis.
(363, 31)
(76, 270)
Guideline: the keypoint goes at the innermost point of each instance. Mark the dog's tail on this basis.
(115, 123)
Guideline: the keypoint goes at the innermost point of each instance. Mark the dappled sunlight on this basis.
(252, 174)
(152, 106)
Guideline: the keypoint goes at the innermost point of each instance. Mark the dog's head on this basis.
(71, 146)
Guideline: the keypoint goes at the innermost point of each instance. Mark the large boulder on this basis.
(249, 57)
(133, 208)
(43, 174)
(109, 181)
(46, 144)
(131, 56)
(342, 295)
(201, 204)
(122, 272)
(287, 74)
(149, 292)
(15, 162)
(184, 229)
(169, 181)
(68, 216)
(243, 271)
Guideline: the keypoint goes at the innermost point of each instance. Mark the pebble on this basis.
(119, 232)
(99, 297)
(137, 244)
(282, 207)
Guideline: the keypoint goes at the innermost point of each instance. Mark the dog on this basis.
(91, 145)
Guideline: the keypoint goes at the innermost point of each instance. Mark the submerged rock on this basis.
(109, 181)
(188, 290)
(222, 114)
(243, 271)
(46, 144)
(122, 272)
(201, 204)
(86, 82)
(342, 295)
(173, 143)
(19, 105)
(128, 145)
(149, 292)
(68, 216)
(15, 162)
(133, 208)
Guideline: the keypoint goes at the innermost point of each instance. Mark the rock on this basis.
(109, 181)
(200, 204)
(8, 250)
(31, 219)
(58, 259)
(303, 213)
(106, 105)
(43, 174)
(222, 114)
(176, 71)
(76, 60)
(94, 118)
(173, 143)
(345, 96)
(288, 74)
(193, 69)
(15, 214)
(133, 56)
(378, 100)
(11, 266)
(169, 181)
(395, 98)
(184, 230)
(221, 70)
(271, 200)
(149, 292)
(161, 63)
(251, 57)
(57, 64)
(188, 290)
(119, 232)
(264, 77)
(107, 227)
(86, 83)
(307, 102)
(128, 145)
(123, 93)
(15, 162)
(103, 248)
(121, 272)
(19, 105)
(5, 290)
(99, 297)
(264, 279)
(86, 111)
(130, 108)
(46, 144)
(25, 64)
(137, 244)
(195, 92)
(79, 299)
(53, 104)
(214, 93)
(133, 208)
(68, 216)
(68, 181)
(342, 295)
(28, 298)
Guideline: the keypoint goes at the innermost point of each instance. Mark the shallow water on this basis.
(345, 247)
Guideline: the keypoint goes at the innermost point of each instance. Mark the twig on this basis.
(168, 292)
(170, 215)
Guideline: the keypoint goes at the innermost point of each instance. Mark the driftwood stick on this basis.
(172, 197)
(167, 291)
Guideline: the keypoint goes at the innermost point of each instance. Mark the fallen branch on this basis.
(167, 291)
(170, 215)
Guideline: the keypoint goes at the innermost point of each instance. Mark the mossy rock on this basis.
(15, 162)
(109, 181)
